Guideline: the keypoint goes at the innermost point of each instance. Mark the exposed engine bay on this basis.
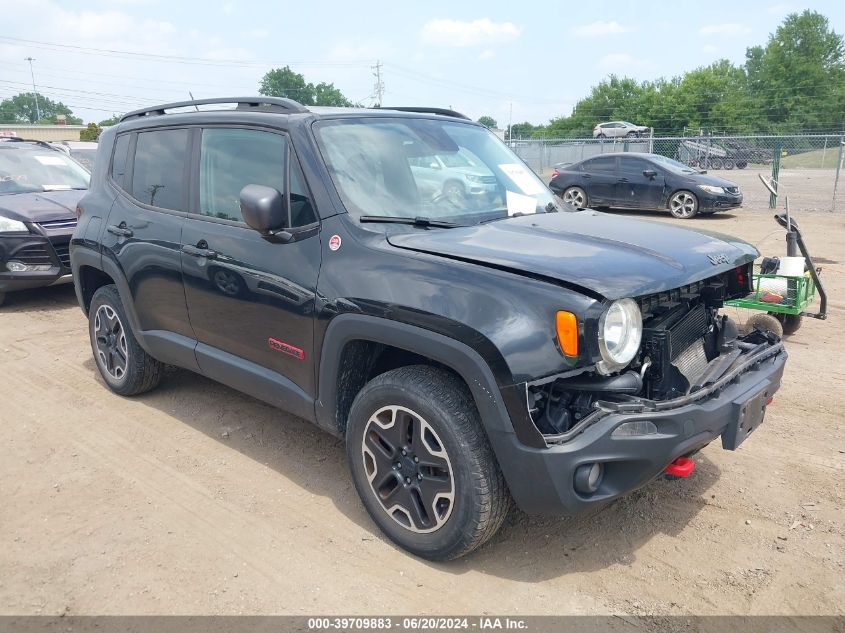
(686, 346)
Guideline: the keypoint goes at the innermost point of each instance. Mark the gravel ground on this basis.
(195, 499)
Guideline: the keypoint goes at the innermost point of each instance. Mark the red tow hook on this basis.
(681, 467)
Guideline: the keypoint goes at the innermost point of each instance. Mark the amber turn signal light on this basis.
(567, 332)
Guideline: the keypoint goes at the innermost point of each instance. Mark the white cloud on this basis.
(622, 63)
(709, 48)
(728, 28)
(477, 32)
(600, 28)
(486, 54)
(257, 34)
(781, 8)
(228, 8)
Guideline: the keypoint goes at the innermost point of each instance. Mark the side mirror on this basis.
(266, 210)
(650, 173)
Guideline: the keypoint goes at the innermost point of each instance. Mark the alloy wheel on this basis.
(683, 205)
(408, 469)
(575, 196)
(110, 339)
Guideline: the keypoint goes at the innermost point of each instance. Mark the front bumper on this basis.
(543, 480)
(38, 250)
(718, 202)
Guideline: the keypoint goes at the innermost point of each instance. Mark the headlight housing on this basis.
(7, 225)
(712, 189)
(620, 334)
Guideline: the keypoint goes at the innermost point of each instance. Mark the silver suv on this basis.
(452, 176)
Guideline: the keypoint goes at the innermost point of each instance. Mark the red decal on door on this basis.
(334, 242)
(278, 346)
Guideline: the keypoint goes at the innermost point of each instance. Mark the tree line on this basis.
(795, 83)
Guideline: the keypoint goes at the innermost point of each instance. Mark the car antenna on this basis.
(191, 94)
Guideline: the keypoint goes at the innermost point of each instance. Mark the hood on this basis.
(608, 255)
(710, 179)
(42, 206)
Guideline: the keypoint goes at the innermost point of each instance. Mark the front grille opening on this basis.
(683, 335)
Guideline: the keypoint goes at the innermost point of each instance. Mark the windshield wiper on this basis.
(417, 221)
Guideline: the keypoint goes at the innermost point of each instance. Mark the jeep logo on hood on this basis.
(720, 258)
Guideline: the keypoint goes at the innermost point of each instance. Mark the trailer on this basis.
(709, 153)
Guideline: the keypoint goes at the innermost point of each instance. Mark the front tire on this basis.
(124, 365)
(683, 205)
(422, 465)
(575, 196)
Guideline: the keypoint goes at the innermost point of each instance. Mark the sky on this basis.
(519, 61)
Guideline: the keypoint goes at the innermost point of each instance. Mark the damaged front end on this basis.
(688, 353)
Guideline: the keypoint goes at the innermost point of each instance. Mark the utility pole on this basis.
(34, 92)
(510, 121)
(378, 88)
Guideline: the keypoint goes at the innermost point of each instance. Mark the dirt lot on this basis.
(195, 499)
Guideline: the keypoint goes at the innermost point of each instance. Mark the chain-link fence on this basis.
(809, 166)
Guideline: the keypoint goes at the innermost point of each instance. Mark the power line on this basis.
(86, 50)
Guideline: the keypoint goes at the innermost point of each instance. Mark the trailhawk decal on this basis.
(279, 346)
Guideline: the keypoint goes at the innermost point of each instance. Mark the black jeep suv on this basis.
(470, 348)
(39, 189)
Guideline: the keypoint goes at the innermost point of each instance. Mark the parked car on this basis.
(628, 180)
(39, 189)
(83, 152)
(619, 129)
(469, 355)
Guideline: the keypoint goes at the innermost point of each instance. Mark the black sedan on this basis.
(643, 181)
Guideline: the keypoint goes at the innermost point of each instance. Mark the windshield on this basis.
(673, 165)
(439, 170)
(24, 170)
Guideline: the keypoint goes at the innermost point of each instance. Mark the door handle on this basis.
(120, 230)
(587, 176)
(195, 251)
(621, 180)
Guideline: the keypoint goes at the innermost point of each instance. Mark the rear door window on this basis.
(604, 163)
(160, 169)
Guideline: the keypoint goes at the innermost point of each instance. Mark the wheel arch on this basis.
(356, 348)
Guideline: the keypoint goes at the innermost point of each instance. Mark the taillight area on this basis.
(555, 173)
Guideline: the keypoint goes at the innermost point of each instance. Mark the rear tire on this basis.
(422, 465)
(124, 365)
(729, 164)
(765, 322)
(717, 163)
(2, 298)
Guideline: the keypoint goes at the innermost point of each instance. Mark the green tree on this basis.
(797, 80)
(487, 121)
(113, 120)
(284, 82)
(521, 130)
(21, 109)
(327, 95)
(90, 133)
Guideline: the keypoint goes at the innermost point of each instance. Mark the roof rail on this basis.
(244, 103)
(424, 110)
(18, 139)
